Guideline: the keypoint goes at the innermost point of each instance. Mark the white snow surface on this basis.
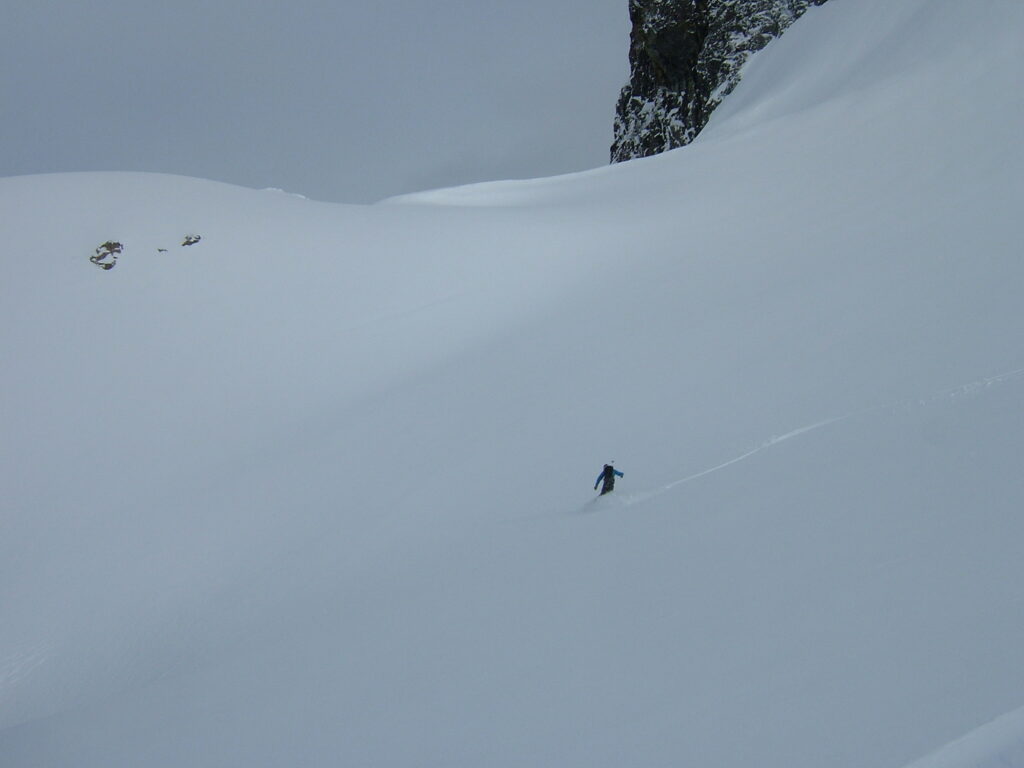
(999, 744)
(316, 491)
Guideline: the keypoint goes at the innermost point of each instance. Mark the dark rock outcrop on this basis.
(105, 255)
(685, 56)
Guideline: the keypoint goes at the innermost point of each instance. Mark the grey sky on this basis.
(344, 101)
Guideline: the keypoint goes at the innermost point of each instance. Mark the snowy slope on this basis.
(316, 490)
(994, 745)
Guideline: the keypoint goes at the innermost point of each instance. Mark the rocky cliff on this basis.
(685, 57)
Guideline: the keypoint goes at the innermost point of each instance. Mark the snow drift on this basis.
(316, 490)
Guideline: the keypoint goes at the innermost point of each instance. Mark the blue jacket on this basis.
(600, 477)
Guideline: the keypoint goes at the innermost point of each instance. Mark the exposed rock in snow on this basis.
(105, 255)
(685, 57)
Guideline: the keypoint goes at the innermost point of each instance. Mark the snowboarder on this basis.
(608, 475)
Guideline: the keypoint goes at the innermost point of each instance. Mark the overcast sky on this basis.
(335, 99)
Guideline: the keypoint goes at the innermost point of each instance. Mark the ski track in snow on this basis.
(21, 662)
(969, 389)
(963, 390)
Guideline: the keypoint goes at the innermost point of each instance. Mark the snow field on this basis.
(316, 491)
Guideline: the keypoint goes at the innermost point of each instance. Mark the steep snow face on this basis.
(685, 57)
(316, 490)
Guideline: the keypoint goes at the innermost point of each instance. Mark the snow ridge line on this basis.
(999, 742)
(971, 388)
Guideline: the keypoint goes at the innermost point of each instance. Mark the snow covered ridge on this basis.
(318, 491)
(999, 744)
(685, 57)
